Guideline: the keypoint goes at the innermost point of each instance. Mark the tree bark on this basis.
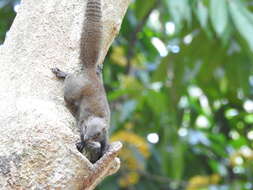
(37, 132)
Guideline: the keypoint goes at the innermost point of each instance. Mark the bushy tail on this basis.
(91, 34)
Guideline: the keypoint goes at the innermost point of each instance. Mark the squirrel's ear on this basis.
(103, 129)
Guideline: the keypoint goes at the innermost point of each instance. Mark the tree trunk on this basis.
(37, 132)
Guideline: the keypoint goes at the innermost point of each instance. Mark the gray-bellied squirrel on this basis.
(84, 92)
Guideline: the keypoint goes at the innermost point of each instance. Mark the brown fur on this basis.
(84, 92)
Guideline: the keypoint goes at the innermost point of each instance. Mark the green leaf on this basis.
(178, 160)
(142, 8)
(249, 119)
(202, 14)
(219, 15)
(161, 73)
(243, 21)
(238, 143)
(127, 109)
(157, 101)
(180, 10)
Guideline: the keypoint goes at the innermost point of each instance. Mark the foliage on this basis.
(7, 15)
(180, 84)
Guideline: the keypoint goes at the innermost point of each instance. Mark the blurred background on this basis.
(179, 79)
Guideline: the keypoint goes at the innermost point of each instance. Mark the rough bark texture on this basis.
(37, 132)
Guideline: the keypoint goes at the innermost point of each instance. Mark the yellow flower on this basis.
(130, 178)
(137, 61)
(130, 165)
(198, 182)
(134, 140)
(130, 82)
(236, 159)
(215, 179)
(118, 56)
(128, 126)
(244, 154)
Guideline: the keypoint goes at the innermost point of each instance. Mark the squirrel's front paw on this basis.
(80, 146)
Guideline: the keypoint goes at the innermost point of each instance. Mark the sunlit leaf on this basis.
(202, 14)
(180, 11)
(219, 15)
(242, 21)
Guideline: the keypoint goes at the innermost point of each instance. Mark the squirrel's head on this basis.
(94, 129)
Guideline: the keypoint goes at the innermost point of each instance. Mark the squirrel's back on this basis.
(91, 34)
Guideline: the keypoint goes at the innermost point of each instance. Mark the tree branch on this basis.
(37, 132)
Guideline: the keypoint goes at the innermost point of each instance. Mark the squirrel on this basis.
(84, 92)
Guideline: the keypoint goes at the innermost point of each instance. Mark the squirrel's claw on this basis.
(80, 146)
